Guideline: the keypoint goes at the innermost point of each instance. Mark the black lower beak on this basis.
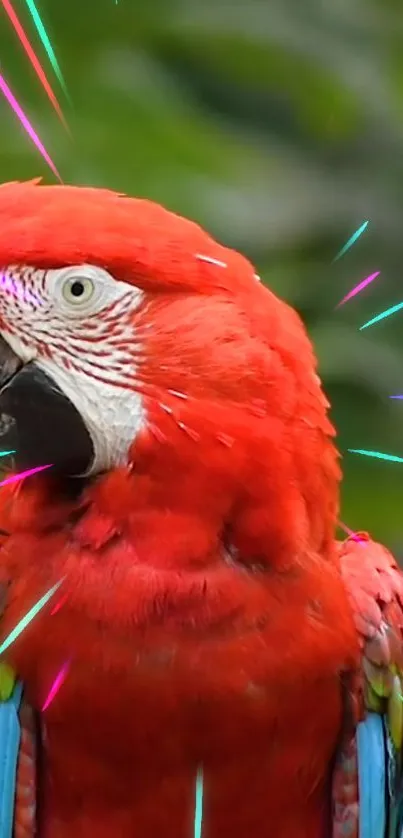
(38, 421)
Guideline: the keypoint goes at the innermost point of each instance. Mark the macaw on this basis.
(230, 669)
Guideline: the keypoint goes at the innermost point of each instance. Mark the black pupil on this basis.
(77, 288)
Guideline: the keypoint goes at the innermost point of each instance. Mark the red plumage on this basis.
(207, 618)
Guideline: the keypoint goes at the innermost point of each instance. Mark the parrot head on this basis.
(129, 339)
(186, 520)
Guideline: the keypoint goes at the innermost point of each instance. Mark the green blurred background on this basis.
(278, 125)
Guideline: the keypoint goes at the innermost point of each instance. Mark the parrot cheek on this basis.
(39, 422)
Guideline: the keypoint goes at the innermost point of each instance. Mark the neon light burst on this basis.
(27, 619)
(38, 23)
(16, 23)
(14, 478)
(351, 534)
(198, 821)
(351, 240)
(360, 287)
(57, 683)
(378, 455)
(9, 96)
(382, 316)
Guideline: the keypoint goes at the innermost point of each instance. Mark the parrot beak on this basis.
(38, 421)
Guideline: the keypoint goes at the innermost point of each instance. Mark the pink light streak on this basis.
(353, 535)
(27, 126)
(33, 58)
(358, 288)
(57, 683)
(62, 601)
(15, 477)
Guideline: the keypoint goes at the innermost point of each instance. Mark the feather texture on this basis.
(210, 620)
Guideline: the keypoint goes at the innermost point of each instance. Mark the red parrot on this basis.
(220, 649)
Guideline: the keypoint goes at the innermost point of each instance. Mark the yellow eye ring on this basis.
(78, 290)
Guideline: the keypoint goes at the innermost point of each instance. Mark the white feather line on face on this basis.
(113, 415)
(84, 344)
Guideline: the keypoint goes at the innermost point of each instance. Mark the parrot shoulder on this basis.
(367, 781)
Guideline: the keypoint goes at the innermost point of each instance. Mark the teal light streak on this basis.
(351, 240)
(6, 453)
(199, 804)
(46, 43)
(24, 622)
(378, 454)
(382, 316)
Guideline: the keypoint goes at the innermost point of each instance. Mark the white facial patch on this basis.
(77, 324)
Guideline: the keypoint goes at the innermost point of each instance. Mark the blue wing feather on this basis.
(372, 778)
(10, 733)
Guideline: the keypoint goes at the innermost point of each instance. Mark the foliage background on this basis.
(278, 125)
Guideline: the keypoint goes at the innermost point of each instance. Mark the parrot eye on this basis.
(78, 290)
